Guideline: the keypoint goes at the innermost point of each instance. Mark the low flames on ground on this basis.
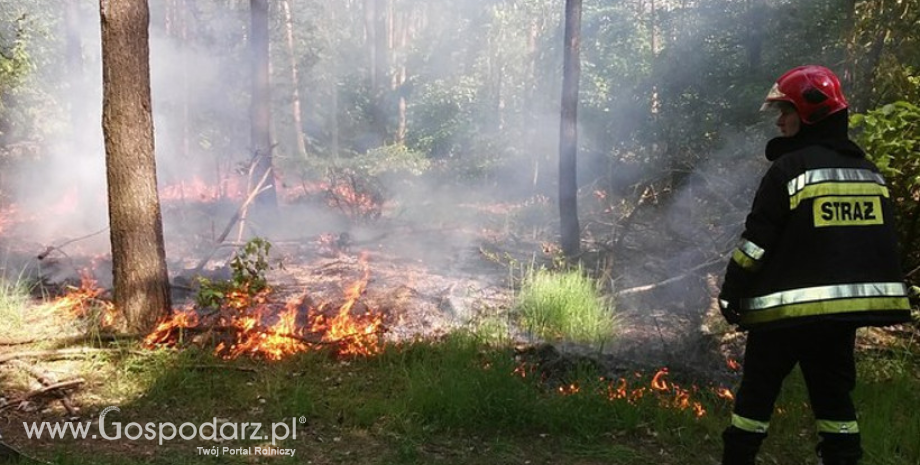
(253, 326)
(260, 326)
(668, 394)
(87, 300)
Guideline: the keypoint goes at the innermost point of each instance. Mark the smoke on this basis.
(503, 132)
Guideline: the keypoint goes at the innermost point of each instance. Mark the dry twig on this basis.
(56, 354)
(45, 390)
(240, 215)
(649, 287)
(46, 379)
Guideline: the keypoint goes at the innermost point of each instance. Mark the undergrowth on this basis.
(457, 400)
(565, 305)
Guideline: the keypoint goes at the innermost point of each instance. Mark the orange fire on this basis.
(732, 364)
(669, 395)
(79, 301)
(725, 393)
(569, 389)
(162, 334)
(197, 190)
(360, 335)
(245, 318)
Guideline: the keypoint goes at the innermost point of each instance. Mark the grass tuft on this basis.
(565, 305)
(14, 299)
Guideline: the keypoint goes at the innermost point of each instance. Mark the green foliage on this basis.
(455, 385)
(248, 267)
(565, 305)
(891, 137)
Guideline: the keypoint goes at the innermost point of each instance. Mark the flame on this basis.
(162, 334)
(732, 364)
(344, 194)
(196, 189)
(358, 335)
(78, 301)
(569, 389)
(669, 395)
(275, 343)
(244, 317)
(725, 393)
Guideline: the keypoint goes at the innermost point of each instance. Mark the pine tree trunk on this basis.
(295, 81)
(568, 133)
(261, 104)
(74, 45)
(399, 79)
(139, 259)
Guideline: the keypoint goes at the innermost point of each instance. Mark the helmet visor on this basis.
(773, 97)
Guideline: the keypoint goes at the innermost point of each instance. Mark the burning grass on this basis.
(247, 322)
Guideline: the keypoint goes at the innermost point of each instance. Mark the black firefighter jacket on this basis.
(819, 242)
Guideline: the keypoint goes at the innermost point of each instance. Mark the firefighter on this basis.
(817, 259)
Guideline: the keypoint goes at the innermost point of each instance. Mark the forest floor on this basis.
(446, 388)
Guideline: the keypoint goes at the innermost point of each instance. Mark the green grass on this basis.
(14, 295)
(565, 305)
(456, 401)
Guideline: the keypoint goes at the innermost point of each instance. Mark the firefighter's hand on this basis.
(913, 293)
(730, 310)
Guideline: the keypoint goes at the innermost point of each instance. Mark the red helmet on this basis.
(813, 90)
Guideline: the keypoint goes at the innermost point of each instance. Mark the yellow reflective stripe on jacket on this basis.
(749, 425)
(818, 293)
(825, 300)
(837, 427)
(837, 189)
(828, 307)
(834, 181)
(823, 175)
(748, 255)
(744, 261)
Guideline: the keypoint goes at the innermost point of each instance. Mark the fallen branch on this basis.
(51, 248)
(239, 215)
(649, 287)
(46, 379)
(223, 367)
(56, 354)
(19, 342)
(72, 340)
(201, 329)
(45, 390)
(913, 271)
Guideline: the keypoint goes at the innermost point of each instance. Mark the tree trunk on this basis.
(138, 255)
(399, 78)
(185, 119)
(74, 45)
(261, 139)
(755, 35)
(376, 36)
(568, 133)
(301, 144)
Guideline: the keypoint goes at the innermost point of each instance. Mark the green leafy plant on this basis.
(891, 137)
(249, 266)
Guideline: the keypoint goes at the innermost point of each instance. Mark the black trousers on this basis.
(825, 354)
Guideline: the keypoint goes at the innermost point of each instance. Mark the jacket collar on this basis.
(830, 132)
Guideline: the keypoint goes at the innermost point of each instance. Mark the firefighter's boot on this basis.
(740, 447)
(839, 449)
